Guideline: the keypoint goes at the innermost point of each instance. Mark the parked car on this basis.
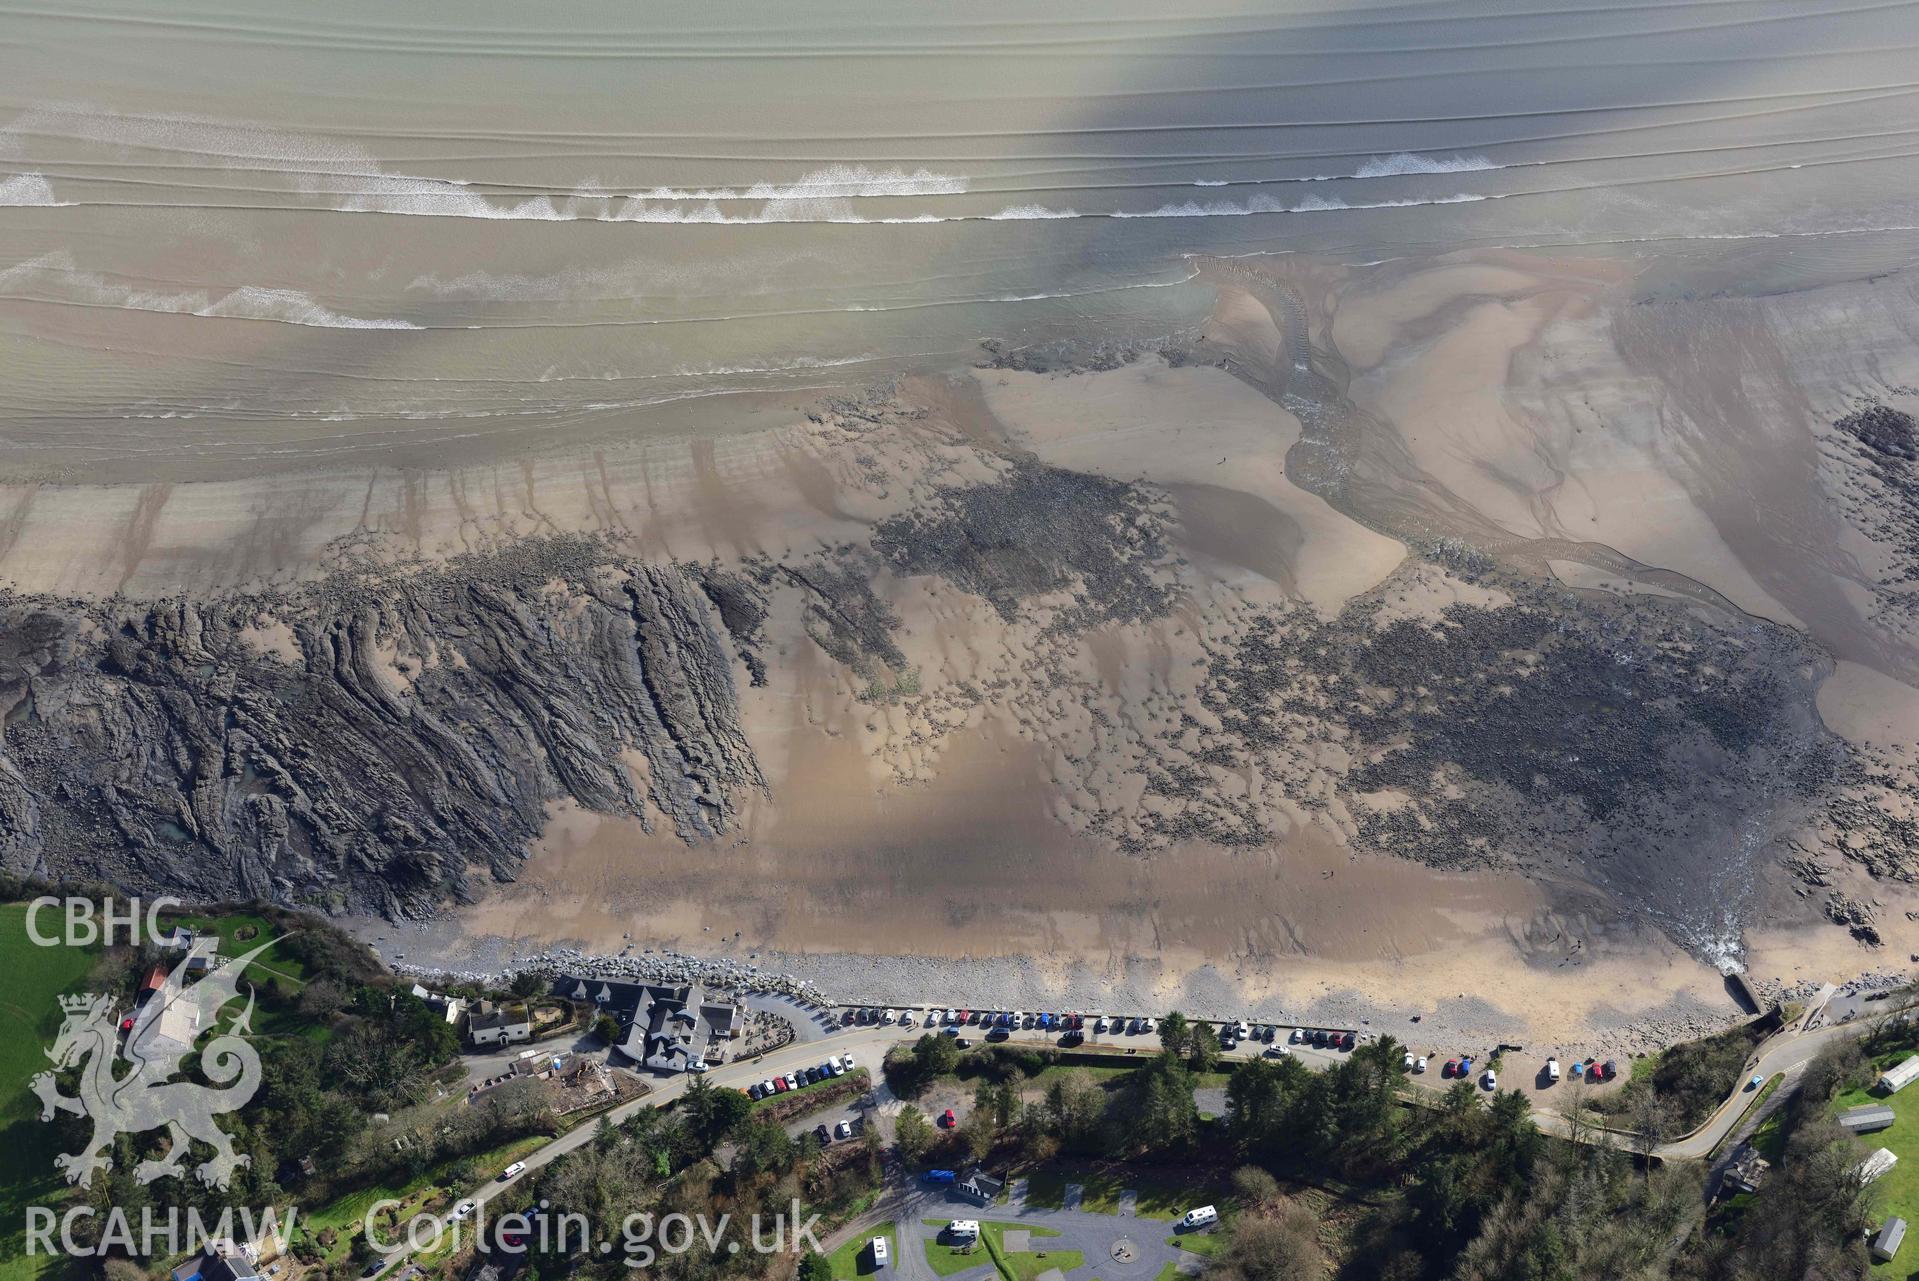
(462, 1212)
(1319, 1036)
(1348, 1041)
(1409, 1062)
(849, 1016)
(836, 1065)
(1552, 1070)
(1202, 1216)
(1280, 1050)
(997, 1034)
(847, 1061)
(513, 1171)
(948, 1120)
(1149, 1026)
(1451, 1069)
(1491, 1080)
(1099, 1026)
(754, 1092)
(1419, 1064)
(939, 1176)
(844, 1130)
(880, 1258)
(1299, 1034)
(906, 1019)
(767, 1087)
(824, 1135)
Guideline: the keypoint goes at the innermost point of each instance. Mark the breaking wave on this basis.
(1403, 164)
(53, 278)
(1269, 205)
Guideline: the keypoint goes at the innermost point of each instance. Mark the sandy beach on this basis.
(1088, 684)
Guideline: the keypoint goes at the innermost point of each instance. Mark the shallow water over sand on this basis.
(243, 237)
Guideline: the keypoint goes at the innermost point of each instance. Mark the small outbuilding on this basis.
(1895, 1079)
(1882, 1160)
(1864, 1120)
(1890, 1238)
(1744, 1172)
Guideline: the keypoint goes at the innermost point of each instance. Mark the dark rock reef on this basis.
(408, 730)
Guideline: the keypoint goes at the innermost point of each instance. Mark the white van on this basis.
(879, 1252)
(511, 1171)
(963, 1230)
(1204, 1216)
(1552, 1069)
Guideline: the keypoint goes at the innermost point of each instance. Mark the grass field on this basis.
(1024, 1265)
(1163, 1194)
(1206, 1243)
(950, 1260)
(1898, 1188)
(29, 1018)
(855, 1258)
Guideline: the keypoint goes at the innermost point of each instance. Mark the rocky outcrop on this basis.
(374, 741)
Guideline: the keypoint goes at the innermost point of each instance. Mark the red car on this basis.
(948, 1120)
(1451, 1068)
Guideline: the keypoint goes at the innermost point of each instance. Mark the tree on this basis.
(763, 1148)
(1203, 1052)
(1254, 1186)
(1650, 1120)
(526, 983)
(1276, 1247)
(1165, 1118)
(713, 1113)
(912, 1133)
(1075, 1110)
(1173, 1033)
(814, 1267)
(607, 1028)
(999, 1101)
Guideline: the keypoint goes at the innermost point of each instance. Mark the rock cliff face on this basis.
(373, 742)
